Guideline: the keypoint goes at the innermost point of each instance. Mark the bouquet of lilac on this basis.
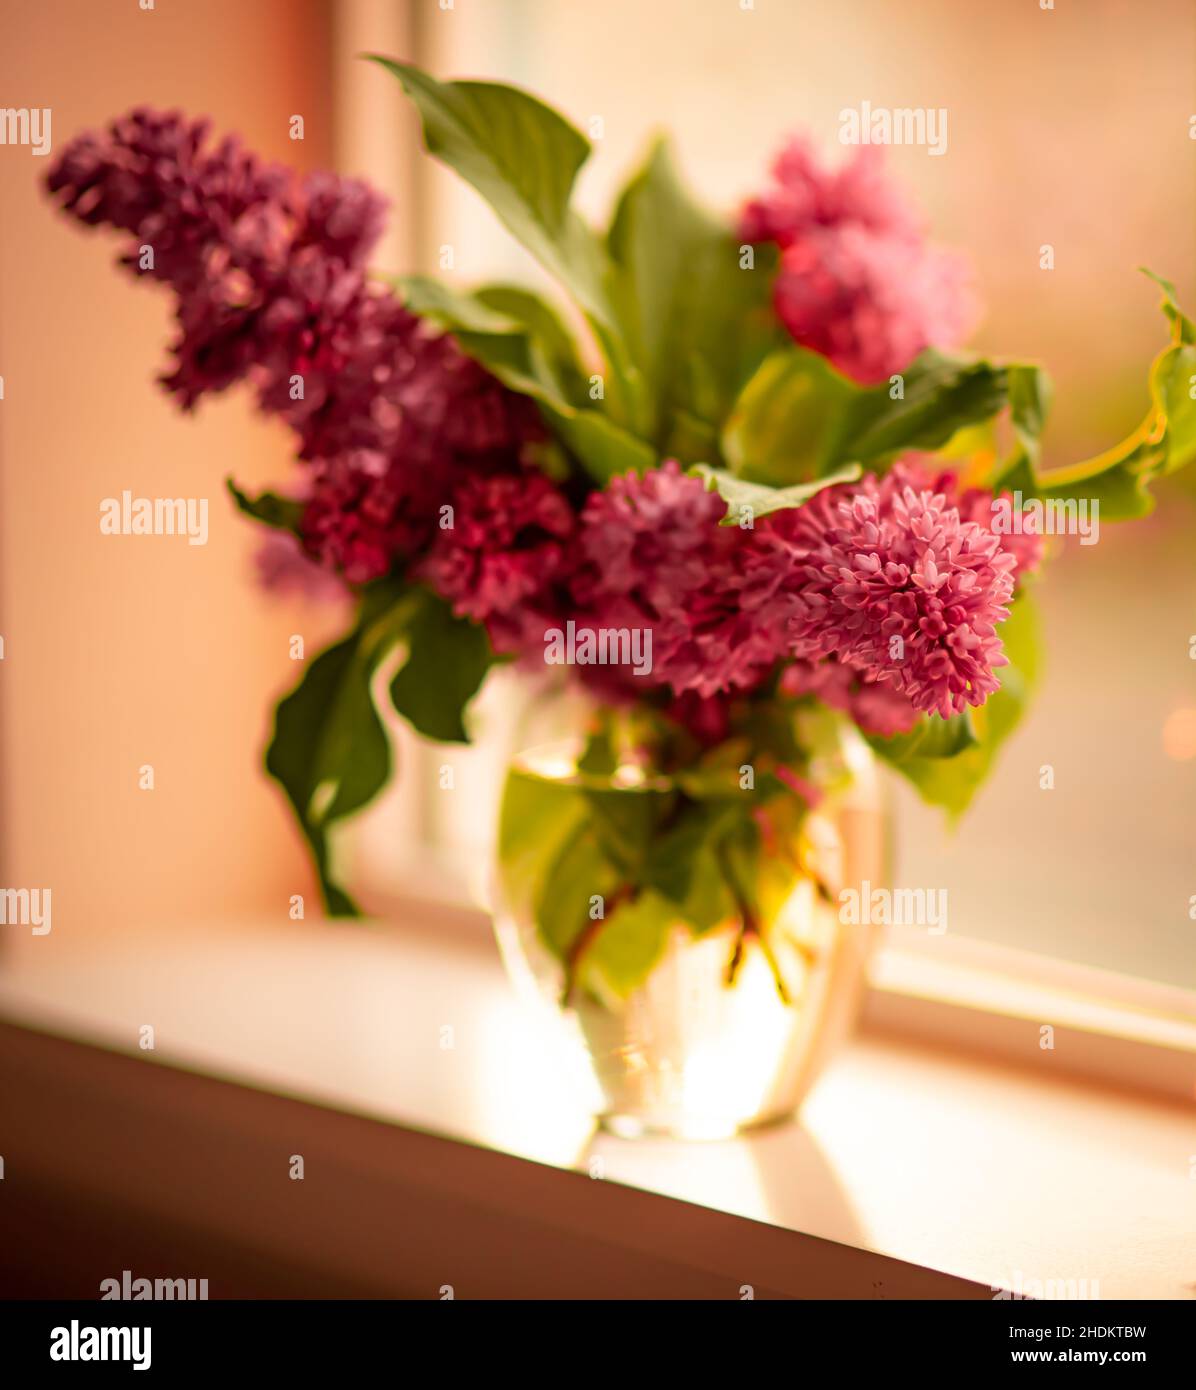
(766, 486)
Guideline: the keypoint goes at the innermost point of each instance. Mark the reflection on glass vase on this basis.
(708, 987)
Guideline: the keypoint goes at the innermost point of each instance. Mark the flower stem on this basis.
(584, 939)
(749, 926)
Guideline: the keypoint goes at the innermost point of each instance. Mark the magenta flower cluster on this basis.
(268, 273)
(882, 598)
(858, 282)
(890, 580)
(879, 597)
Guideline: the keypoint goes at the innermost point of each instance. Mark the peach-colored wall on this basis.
(125, 651)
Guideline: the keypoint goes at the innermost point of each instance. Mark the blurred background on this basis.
(1068, 126)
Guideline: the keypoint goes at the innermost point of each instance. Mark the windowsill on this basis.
(981, 1169)
(948, 990)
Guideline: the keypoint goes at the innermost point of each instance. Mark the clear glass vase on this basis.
(731, 1024)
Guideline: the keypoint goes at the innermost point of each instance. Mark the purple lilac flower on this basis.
(268, 272)
(654, 556)
(505, 556)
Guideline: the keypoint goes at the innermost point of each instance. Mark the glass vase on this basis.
(730, 1023)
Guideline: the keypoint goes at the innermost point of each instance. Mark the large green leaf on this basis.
(753, 500)
(940, 395)
(518, 338)
(329, 750)
(447, 659)
(605, 449)
(519, 154)
(523, 158)
(951, 779)
(698, 320)
(783, 427)
(798, 418)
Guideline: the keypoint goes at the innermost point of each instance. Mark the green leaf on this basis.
(600, 756)
(626, 946)
(580, 872)
(329, 750)
(940, 395)
(755, 500)
(519, 154)
(284, 513)
(798, 418)
(523, 158)
(1030, 394)
(1184, 328)
(1029, 401)
(1172, 384)
(699, 323)
(715, 774)
(606, 449)
(624, 821)
(952, 780)
(931, 737)
(511, 332)
(1119, 479)
(547, 334)
(682, 864)
(538, 817)
(447, 659)
(783, 426)
(527, 348)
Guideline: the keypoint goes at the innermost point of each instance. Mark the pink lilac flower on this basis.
(654, 556)
(870, 302)
(857, 281)
(504, 557)
(267, 268)
(889, 579)
(976, 504)
(805, 194)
